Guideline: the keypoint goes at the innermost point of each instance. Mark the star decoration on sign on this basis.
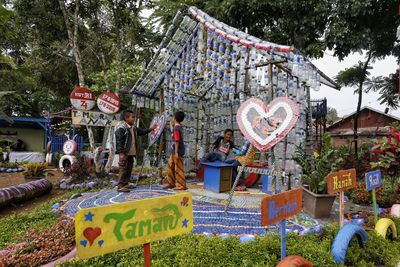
(185, 223)
(89, 217)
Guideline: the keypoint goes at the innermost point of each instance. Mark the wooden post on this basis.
(341, 208)
(147, 255)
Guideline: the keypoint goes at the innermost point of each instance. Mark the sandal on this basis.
(167, 186)
(124, 189)
(180, 188)
(240, 188)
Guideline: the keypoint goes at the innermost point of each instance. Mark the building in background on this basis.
(371, 125)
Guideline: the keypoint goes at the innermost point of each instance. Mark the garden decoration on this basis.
(238, 65)
(278, 207)
(160, 122)
(106, 229)
(395, 210)
(69, 149)
(339, 182)
(373, 180)
(264, 126)
(294, 261)
(343, 238)
(382, 227)
(24, 192)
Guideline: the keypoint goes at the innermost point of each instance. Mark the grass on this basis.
(40, 217)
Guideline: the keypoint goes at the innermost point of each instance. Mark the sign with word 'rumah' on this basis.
(105, 229)
(341, 180)
(92, 118)
(277, 207)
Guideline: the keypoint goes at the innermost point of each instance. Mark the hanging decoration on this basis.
(82, 98)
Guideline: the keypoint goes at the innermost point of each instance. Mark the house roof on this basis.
(363, 108)
(177, 40)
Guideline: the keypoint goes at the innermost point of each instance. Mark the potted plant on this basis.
(316, 200)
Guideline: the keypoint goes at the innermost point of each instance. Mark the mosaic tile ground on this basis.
(243, 217)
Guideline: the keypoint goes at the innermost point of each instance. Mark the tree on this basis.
(351, 28)
(298, 23)
(332, 115)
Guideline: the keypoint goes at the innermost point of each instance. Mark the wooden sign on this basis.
(93, 118)
(108, 102)
(277, 207)
(106, 229)
(264, 126)
(341, 180)
(160, 122)
(373, 179)
(82, 98)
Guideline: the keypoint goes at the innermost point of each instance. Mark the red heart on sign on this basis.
(91, 234)
(264, 126)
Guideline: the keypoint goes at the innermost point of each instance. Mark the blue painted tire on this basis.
(343, 238)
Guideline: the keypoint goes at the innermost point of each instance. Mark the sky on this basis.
(344, 101)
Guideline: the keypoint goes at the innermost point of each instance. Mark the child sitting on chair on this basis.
(222, 147)
(238, 160)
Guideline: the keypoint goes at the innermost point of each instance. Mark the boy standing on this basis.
(126, 139)
(176, 173)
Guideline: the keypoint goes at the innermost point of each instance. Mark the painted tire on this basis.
(65, 161)
(395, 210)
(294, 261)
(343, 238)
(70, 147)
(383, 225)
(49, 157)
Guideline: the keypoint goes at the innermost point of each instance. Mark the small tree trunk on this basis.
(360, 91)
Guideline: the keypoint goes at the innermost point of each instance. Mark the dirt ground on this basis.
(11, 179)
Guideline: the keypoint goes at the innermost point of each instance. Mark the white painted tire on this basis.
(66, 160)
(49, 157)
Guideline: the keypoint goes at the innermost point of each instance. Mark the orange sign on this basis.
(277, 207)
(341, 180)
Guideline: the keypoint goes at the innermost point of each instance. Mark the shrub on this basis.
(41, 247)
(35, 170)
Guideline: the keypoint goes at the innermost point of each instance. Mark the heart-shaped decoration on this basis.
(100, 242)
(185, 201)
(83, 243)
(160, 122)
(91, 234)
(264, 126)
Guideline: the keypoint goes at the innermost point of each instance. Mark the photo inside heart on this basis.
(264, 125)
(91, 234)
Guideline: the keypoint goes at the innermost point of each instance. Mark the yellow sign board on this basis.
(105, 229)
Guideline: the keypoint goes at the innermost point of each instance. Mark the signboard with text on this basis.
(373, 179)
(101, 230)
(108, 102)
(82, 98)
(94, 118)
(341, 180)
(277, 207)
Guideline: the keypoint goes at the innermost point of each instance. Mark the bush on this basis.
(41, 247)
(35, 170)
(386, 195)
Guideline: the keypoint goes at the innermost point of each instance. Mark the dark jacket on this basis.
(123, 137)
(221, 139)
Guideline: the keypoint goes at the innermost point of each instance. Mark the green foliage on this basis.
(198, 250)
(35, 170)
(40, 217)
(328, 161)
